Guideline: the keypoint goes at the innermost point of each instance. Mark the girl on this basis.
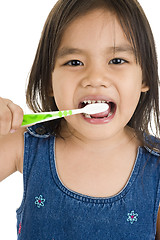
(89, 176)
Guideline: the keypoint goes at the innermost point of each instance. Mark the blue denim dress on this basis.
(51, 211)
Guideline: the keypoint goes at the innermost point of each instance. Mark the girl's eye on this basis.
(74, 63)
(117, 61)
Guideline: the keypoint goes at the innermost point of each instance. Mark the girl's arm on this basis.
(11, 144)
(158, 226)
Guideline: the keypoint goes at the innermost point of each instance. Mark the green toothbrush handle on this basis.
(33, 118)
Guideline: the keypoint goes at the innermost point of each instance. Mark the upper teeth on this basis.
(94, 101)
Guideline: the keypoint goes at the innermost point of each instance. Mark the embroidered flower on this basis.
(20, 227)
(132, 217)
(39, 201)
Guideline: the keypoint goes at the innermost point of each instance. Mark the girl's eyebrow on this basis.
(122, 48)
(116, 49)
(67, 51)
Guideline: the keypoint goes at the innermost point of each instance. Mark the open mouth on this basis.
(104, 115)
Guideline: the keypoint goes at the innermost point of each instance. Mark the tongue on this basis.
(103, 114)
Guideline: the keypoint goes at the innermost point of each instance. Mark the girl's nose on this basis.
(96, 78)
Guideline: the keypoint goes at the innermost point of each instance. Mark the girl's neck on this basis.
(125, 137)
(111, 161)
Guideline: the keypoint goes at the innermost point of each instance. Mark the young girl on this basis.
(89, 176)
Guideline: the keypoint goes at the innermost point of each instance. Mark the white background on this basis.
(21, 23)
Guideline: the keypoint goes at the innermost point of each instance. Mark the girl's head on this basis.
(136, 29)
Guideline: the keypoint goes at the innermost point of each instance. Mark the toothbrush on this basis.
(33, 118)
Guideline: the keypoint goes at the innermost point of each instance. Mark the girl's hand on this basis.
(11, 116)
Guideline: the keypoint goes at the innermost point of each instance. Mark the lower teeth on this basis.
(89, 116)
(109, 114)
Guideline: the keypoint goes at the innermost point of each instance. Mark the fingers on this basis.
(11, 116)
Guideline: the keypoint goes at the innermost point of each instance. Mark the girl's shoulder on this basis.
(152, 144)
(39, 131)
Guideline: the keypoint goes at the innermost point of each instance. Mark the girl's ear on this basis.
(145, 87)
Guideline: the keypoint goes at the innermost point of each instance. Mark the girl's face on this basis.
(95, 62)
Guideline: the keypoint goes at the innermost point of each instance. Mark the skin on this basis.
(95, 41)
(109, 150)
(95, 75)
(91, 40)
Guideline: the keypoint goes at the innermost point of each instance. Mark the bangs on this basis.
(129, 14)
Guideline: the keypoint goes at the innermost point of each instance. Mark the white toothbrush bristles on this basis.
(95, 108)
